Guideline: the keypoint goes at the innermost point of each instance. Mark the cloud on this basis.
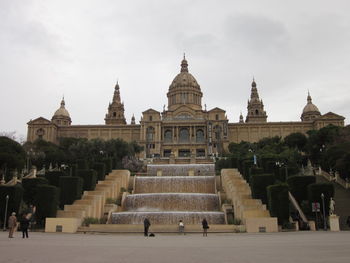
(257, 33)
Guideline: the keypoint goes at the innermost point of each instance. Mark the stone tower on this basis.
(255, 107)
(61, 116)
(310, 111)
(241, 118)
(115, 115)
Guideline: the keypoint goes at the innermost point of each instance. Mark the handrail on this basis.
(297, 207)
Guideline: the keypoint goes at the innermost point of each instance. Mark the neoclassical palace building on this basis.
(183, 129)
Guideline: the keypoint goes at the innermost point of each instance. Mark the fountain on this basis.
(173, 197)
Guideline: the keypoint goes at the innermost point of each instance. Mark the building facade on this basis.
(184, 129)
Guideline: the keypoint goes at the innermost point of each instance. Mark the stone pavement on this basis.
(300, 247)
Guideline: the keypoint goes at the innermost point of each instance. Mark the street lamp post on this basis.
(7, 201)
(324, 213)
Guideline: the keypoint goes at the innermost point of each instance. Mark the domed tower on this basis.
(241, 118)
(115, 115)
(310, 111)
(61, 116)
(255, 107)
(184, 90)
(133, 120)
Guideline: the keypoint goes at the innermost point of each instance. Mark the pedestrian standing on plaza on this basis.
(12, 223)
(24, 224)
(181, 227)
(205, 227)
(146, 224)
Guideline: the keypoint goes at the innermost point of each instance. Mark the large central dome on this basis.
(184, 89)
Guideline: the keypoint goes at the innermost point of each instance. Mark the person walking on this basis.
(12, 223)
(181, 227)
(24, 223)
(146, 224)
(205, 227)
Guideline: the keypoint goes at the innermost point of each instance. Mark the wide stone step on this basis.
(127, 228)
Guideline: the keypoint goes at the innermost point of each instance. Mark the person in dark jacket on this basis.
(24, 224)
(205, 227)
(146, 224)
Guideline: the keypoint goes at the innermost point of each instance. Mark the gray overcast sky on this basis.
(80, 48)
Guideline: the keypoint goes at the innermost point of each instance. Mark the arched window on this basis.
(150, 134)
(150, 118)
(184, 135)
(114, 114)
(168, 136)
(217, 117)
(199, 135)
(256, 112)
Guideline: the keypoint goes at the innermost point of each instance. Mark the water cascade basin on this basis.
(165, 218)
(175, 184)
(171, 202)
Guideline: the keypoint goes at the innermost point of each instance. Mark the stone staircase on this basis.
(92, 204)
(342, 201)
(252, 212)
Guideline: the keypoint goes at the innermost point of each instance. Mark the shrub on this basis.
(278, 202)
(46, 201)
(100, 169)
(82, 164)
(314, 194)
(15, 194)
(259, 183)
(284, 173)
(54, 177)
(90, 220)
(89, 178)
(73, 169)
(255, 170)
(108, 163)
(298, 186)
(30, 188)
(246, 164)
(71, 188)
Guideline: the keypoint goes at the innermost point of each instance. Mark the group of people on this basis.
(205, 226)
(23, 224)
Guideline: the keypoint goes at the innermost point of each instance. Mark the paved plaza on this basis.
(330, 247)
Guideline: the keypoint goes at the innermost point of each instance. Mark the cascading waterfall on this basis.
(174, 197)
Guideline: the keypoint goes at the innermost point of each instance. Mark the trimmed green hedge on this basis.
(278, 202)
(71, 189)
(284, 174)
(73, 169)
(270, 167)
(314, 194)
(82, 164)
(255, 170)
(30, 188)
(54, 177)
(89, 178)
(15, 194)
(100, 169)
(298, 186)
(46, 201)
(246, 164)
(259, 183)
(266, 163)
(108, 163)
